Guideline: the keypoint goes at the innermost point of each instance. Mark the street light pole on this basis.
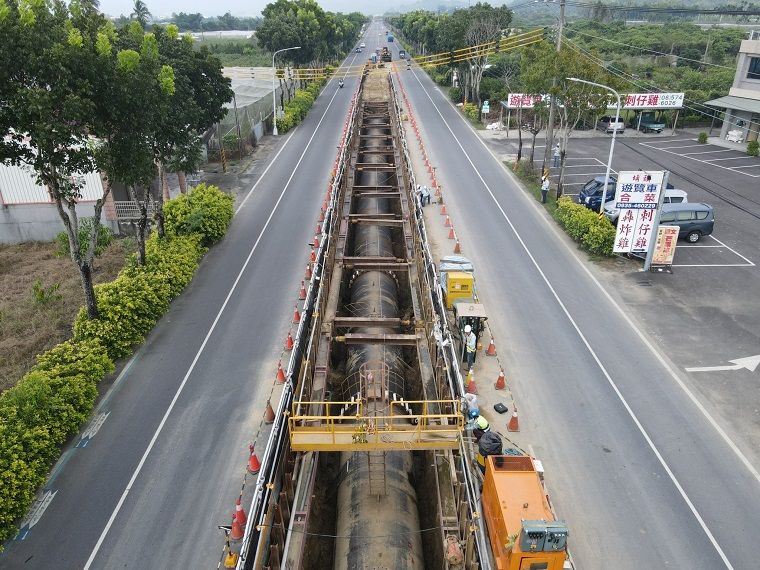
(614, 132)
(274, 89)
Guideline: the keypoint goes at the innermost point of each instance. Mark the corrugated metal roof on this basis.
(18, 186)
(737, 103)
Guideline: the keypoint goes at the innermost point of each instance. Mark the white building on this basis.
(742, 104)
(27, 212)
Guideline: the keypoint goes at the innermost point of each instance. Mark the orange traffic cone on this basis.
(315, 243)
(319, 229)
(443, 210)
(253, 462)
(269, 414)
(452, 235)
(491, 350)
(302, 292)
(239, 512)
(514, 424)
(289, 342)
(236, 534)
(280, 373)
(307, 275)
(447, 223)
(321, 216)
(296, 315)
(457, 247)
(313, 256)
(501, 382)
(471, 387)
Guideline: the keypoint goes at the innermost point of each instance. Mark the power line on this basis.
(626, 77)
(651, 50)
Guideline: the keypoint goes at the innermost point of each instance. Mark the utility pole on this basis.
(549, 143)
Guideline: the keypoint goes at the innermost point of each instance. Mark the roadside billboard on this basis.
(631, 101)
(665, 246)
(637, 196)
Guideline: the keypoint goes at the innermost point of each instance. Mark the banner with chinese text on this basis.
(665, 246)
(636, 196)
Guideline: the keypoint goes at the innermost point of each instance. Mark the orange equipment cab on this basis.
(521, 526)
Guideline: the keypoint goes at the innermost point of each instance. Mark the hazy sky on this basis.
(212, 8)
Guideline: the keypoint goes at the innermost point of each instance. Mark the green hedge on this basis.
(131, 304)
(41, 412)
(52, 401)
(205, 210)
(296, 109)
(471, 111)
(595, 234)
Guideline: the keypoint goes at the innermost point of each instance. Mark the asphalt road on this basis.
(705, 313)
(634, 462)
(165, 468)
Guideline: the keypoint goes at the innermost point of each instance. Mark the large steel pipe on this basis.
(378, 532)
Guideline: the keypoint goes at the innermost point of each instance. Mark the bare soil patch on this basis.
(28, 325)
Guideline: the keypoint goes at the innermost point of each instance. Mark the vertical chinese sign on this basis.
(637, 196)
(665, 247)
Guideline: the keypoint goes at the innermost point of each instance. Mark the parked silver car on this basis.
(672, 196)
(608, 124)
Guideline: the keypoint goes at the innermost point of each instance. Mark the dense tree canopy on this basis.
(323, 36)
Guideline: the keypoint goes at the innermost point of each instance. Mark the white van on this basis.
(672, 196)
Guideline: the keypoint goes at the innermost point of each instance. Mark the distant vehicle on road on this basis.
(358, 50)
(649, 122)
(362, 45)
(390, 38)
(694, 220)
(401, 54)
(608, 125)
(672, 196)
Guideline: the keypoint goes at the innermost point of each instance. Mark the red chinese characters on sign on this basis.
(637, 196)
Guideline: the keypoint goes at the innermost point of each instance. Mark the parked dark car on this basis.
(693, 219)
(402, 54)
(591, 193)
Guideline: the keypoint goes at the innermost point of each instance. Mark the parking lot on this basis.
(708, 154)
(709, 252)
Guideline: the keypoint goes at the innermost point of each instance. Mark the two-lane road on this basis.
(639, 468)
(166, 466)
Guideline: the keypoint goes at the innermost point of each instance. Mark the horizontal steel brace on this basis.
(368, 322)
(396, 339)
(378, 222)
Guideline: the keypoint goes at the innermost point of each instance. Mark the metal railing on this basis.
(127, 210)
(363, 431)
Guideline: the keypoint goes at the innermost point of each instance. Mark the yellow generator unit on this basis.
(523, 532)
(459, 285)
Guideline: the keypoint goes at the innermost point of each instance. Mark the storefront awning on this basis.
(737, 103)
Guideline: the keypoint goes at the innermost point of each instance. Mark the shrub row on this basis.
(295, 110)
(471, 111)
(595, 234)
(50, 403)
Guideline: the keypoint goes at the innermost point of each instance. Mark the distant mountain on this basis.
(430, 6)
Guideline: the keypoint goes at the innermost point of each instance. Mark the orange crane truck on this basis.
(522, 529)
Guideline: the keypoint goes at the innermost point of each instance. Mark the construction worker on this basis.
(471, 343)
(478, 424)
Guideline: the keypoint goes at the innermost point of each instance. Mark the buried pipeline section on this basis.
(365, 467)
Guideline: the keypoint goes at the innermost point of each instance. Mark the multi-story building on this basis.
(742, 104)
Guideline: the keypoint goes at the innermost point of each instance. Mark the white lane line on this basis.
(670, 141)
(747, 166)
(714, 265)
(591, 351)
(673, 147)
(691, 246)
(732, 249)
(708, 151)
(695, 159)
(722, 159)
(580, 165)
(160, 427)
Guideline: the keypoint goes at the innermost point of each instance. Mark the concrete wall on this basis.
(744, 87)
(37, 222)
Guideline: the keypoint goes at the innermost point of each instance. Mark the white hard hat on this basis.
(467, 329)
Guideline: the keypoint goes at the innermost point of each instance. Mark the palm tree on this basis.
(140, 13)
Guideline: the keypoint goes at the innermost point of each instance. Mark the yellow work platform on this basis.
(360, 431)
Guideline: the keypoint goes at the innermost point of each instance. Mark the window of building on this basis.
(754, 68)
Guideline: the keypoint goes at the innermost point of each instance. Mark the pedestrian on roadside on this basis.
(544, 188)
(556, 155)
